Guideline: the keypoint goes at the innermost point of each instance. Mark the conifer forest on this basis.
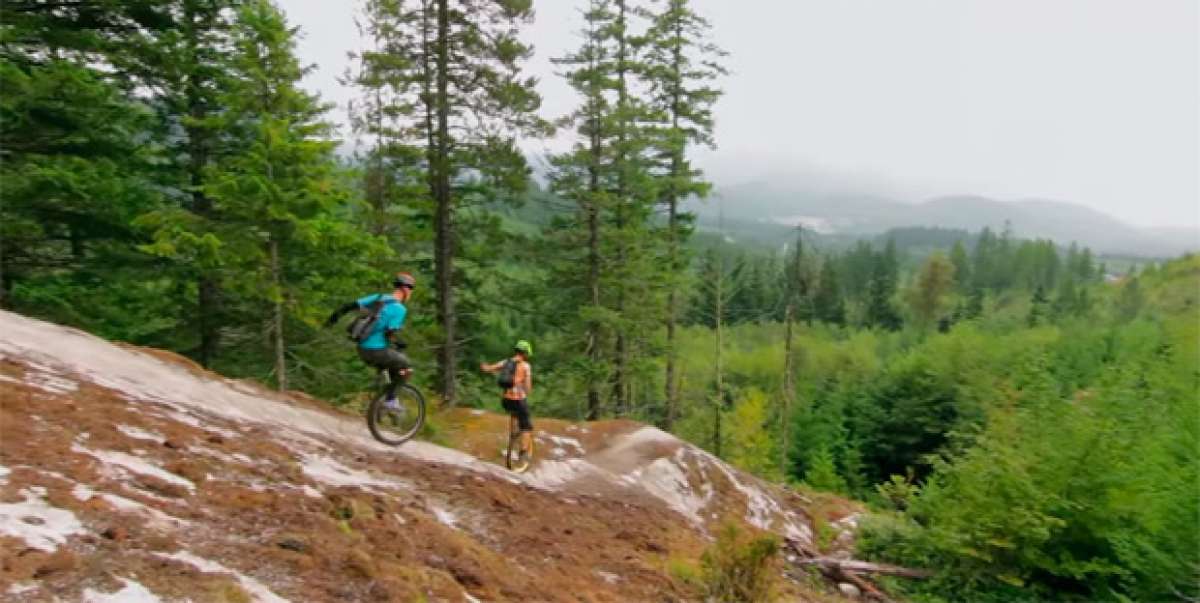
(1020, 414)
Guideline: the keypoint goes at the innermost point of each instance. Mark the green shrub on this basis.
(740, 567)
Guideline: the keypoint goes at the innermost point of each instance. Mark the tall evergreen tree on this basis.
(857, 268)
(1038, 308)
(189, 70)
(457, 94)
(796, 295)
(78, 166)
(607, 176)
(681, 66)
(273, 192)
(962, 266)
(395, 184)
(1129, 300)
(985, 260)
(974, 307)
(830, 306)
(716, 290)
(638, 265)
(934, 280)
(583, 176)
(881, 309)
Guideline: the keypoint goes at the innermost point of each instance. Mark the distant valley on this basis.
(830, 212)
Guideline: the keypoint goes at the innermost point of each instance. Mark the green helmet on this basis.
(524, 347)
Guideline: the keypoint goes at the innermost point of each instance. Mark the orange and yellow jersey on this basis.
(522, 382)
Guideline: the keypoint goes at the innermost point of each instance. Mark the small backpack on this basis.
(363, 324)
(507, 376)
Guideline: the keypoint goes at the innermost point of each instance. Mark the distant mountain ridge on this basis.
(851, 213)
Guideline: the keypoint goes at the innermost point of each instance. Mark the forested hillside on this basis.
(845, 208)
(1021, 416)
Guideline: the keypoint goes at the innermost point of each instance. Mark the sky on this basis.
(1095, 102)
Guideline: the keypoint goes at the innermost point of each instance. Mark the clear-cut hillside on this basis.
(132, 475)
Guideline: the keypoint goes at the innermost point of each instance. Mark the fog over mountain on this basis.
(830, 206)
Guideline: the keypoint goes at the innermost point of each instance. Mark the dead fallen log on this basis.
(864, 567)
(851, 571)
(808, 555)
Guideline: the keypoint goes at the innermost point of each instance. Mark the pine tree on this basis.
(637, 266)
(717, 289)
(395, 182)
(934, 281)
(272, 192)
(1129, 300)
(974, 308)
(857, 267)
(1067, 301)
(681, 65)
(607, 176)
(582, 175)
(452, 72)
(189, 70)
(881, 310)
(962, 266)
(830, 307)
(1037, 308)
(985, 260)
(822, 473)
(74, 162)
(749, 443)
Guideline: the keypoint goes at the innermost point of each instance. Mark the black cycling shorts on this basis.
(385, 358)
(521, 410)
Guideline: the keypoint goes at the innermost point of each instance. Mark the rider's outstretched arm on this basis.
(333, 318)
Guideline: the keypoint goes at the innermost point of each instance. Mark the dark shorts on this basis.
(521, 410)
(384, 358)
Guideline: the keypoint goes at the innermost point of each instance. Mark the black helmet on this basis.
(404, 279)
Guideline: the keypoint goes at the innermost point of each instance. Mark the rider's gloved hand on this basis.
(399, 345)
(337, 314)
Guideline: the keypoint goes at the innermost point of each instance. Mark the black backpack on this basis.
(360, 328)
(507, 376)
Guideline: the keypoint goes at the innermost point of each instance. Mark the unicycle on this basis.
(395, 425)
(512, 456)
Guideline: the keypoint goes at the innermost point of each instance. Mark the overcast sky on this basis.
(1091, 101)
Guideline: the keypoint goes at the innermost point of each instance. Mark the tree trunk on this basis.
(208, 291)
(443, 214)
(379, 199)
(593, 225)
(620, 388)
(593, 343)
(673, 403)
(789, 388)
(3, 279)
(672, 300)
(277, 318)
(669, 419)
(673, 221)
(720, 405)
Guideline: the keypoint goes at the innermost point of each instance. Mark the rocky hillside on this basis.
(132, 475)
